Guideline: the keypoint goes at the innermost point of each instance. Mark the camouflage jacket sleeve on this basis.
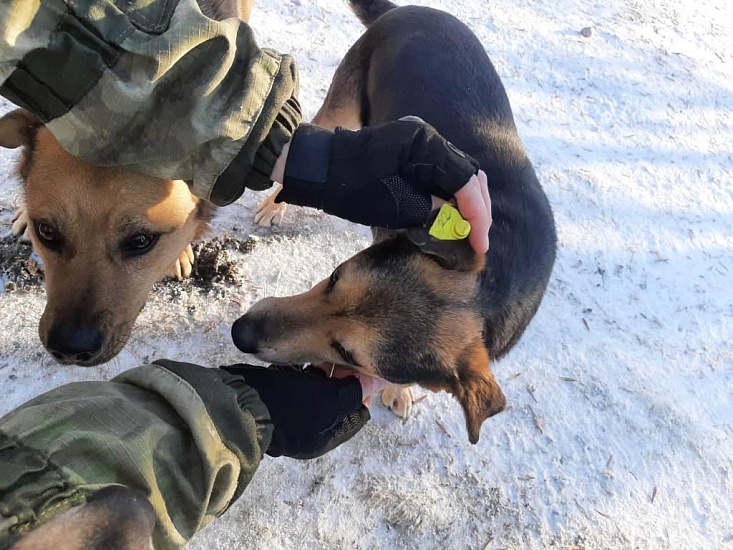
(177, 433)
(154, 86)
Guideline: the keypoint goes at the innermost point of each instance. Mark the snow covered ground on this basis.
(619, 432)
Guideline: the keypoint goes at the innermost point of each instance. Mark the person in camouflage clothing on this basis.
(187, 439)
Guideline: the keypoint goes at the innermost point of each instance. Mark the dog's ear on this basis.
(115, 517)
(18, 128)
(476, 389)
(455, 255)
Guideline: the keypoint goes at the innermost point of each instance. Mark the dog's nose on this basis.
(247, 332)
(69, 343)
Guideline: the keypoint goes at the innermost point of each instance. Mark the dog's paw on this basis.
(398, 399)
(269, 212)
(183, 266)
(21, 228)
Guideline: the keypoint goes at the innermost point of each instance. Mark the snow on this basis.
(619, 431)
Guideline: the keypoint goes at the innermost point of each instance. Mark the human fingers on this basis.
(472, 204)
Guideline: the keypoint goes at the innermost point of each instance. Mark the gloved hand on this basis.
(381, 176)
(311, 413)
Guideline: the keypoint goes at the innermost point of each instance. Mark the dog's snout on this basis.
(77, 344)
(247, 333)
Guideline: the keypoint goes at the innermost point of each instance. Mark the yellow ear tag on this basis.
(449, 225)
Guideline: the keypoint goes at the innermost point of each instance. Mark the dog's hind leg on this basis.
(343, 104)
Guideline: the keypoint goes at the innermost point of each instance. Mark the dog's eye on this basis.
(345, 354)
(139, 244)
(48, 235)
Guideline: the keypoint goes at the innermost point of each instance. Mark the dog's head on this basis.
(105, 236)
(114, 518)
(403, 309)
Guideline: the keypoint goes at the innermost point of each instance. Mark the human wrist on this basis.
(305, 168)
(278, 172)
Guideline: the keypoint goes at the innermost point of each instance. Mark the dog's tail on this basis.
(368, 11)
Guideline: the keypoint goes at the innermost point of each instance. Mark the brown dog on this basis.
(114, 518)
(412, 309)
(105, 235)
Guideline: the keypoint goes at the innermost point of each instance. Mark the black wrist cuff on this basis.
(306, 170)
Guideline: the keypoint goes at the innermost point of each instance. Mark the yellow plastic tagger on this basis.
(449, 225)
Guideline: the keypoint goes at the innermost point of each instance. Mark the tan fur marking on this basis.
(454, 331)
(346, 116)
(456, 286)
(477, 390)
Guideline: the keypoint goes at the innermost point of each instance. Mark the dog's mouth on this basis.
(276, 356)
(92, 361)
(67, 361)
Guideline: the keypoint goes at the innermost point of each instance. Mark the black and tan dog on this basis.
(105, 235)
(411, 309)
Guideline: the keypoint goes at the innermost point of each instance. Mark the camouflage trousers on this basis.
(174, 432)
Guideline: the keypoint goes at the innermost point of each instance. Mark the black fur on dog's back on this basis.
(424, 62)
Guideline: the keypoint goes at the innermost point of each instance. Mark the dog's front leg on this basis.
(398, 399)
(183, 266)
(270, 212)
(21, 227)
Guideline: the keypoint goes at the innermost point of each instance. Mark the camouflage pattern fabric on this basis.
(175, 432)
(153, 86)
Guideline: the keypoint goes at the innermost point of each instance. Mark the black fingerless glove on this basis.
(311, 414)
(381, 176)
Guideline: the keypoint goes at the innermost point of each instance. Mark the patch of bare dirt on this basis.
(20, 270)
(216, 264)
